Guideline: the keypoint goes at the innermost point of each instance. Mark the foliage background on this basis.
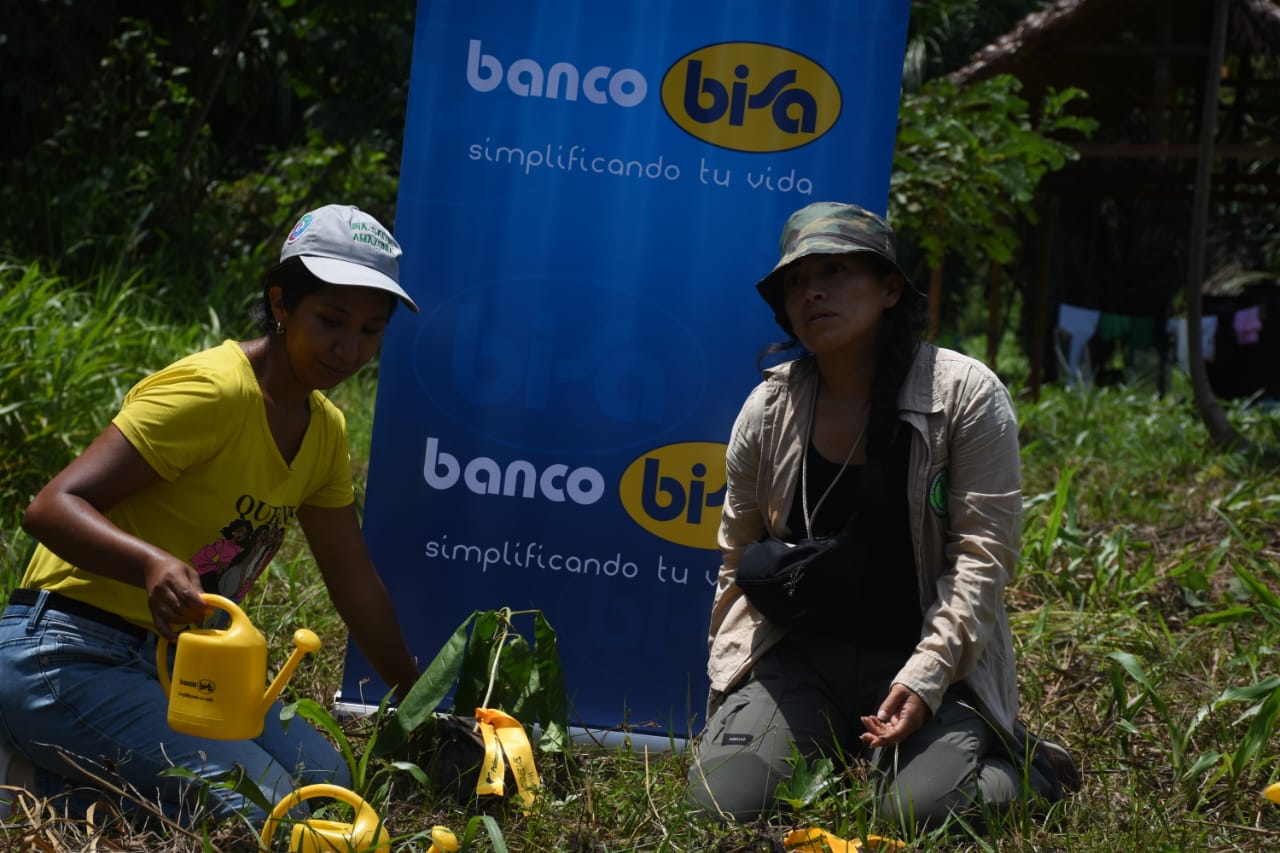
(181, 138)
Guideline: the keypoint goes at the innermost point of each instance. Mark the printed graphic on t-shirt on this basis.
(229, 566)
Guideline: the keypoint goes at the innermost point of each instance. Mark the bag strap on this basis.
(804, 466)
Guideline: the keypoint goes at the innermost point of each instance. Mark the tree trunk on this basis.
(1220, 429)
(1039, 296)
(994, 302)
(196, 123)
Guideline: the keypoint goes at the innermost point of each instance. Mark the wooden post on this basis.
(1220, 429)
(1038, 303)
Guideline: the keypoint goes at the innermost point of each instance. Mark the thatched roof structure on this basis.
(1146, 66)
(1133, 34)
(1143, 65)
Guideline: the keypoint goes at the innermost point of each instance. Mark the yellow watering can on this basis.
(216, 690)
(365, 832)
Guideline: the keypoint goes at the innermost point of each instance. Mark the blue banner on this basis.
(589, 193)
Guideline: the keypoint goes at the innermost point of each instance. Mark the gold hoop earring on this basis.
(279, 328)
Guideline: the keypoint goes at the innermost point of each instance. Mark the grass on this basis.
(1146, 615)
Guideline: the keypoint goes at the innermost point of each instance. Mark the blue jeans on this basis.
(74, 688)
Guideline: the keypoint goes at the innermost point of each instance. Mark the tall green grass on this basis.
(1146, 610)
(68, 354)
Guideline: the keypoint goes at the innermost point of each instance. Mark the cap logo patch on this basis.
(303, 224)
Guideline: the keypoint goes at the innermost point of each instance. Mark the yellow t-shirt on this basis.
(227, 496)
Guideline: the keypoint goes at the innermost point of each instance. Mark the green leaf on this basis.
(1203, 763)
(516, 679)
(428, 691)
(360, 773)
(553, 708)
(807, 781)
(1259, 733)
(413, 770)
(1237, 613)
(1251, 693)
(235, 779)
(314, 713)
(491, 829)
(1269, 602)
(1135, 670)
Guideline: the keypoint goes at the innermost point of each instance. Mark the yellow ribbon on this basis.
(814, 840)
(503, 736)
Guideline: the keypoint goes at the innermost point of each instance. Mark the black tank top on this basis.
(882, 597)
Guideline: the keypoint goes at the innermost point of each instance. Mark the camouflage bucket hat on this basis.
(827, 228)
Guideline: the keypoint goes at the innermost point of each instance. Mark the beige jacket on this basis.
(965, 500)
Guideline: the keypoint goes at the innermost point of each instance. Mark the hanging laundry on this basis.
(1177, 326)
(1142, 333)
(1208, 333)
(1247, 323)
(1112, 327)
(1080, 324)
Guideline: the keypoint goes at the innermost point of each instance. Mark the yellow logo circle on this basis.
(749, 96)
(675, 492)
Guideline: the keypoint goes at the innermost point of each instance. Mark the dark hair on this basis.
(229, 531)
(295, 282)
(901, 330)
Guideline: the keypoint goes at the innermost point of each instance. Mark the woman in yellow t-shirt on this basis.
(190, 489)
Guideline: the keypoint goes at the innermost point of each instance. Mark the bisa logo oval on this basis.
(675, 492)
(749, 96)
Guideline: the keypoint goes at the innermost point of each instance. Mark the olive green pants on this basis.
(810, 692)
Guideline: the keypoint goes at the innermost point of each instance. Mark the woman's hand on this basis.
(173, 594)
(901, 714)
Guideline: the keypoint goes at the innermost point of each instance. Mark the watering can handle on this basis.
(162, 644)
(366, 829)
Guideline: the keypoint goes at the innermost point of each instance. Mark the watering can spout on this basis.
(304, 643)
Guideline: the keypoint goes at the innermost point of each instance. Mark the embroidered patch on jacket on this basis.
(730, 739)
(938, 493)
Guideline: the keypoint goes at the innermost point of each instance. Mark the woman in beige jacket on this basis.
(904, 655)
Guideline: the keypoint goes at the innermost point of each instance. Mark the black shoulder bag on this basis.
(791, 581)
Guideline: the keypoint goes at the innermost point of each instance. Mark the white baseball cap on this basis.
(341, 244)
